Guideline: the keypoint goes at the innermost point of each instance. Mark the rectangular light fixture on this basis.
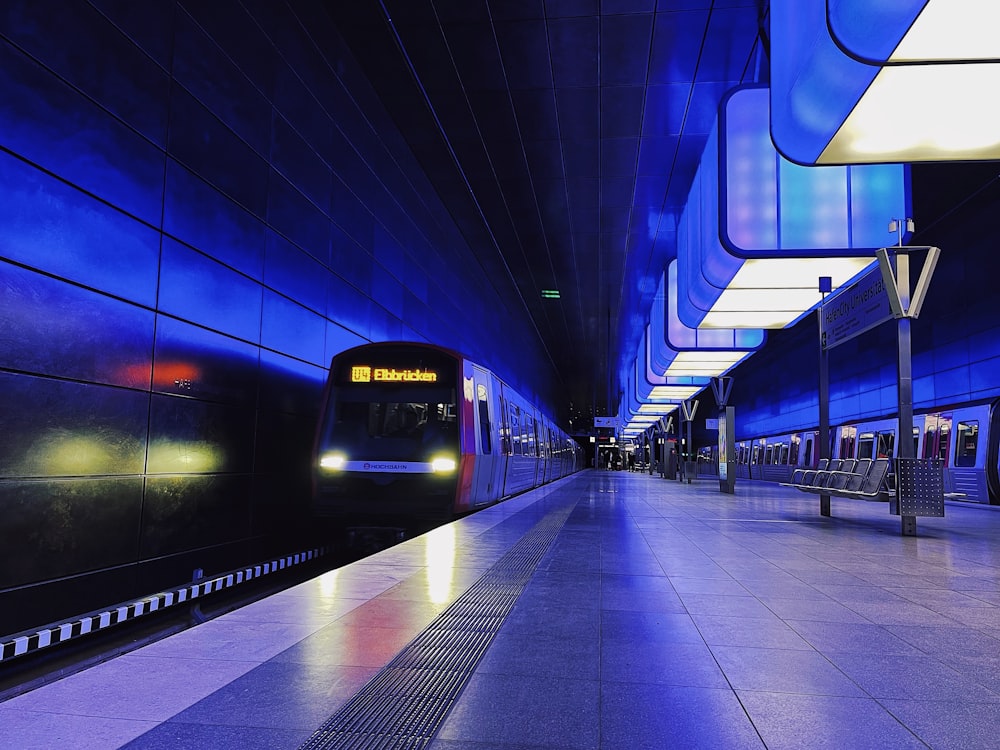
(858, 82)
(550, 294)
(758, 230)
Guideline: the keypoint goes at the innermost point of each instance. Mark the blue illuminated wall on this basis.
(955, 341)
(199, 205)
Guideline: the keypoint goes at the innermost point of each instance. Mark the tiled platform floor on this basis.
(663, 615)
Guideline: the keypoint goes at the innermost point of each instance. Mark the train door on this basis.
(506, 436)
(937, 438)
(487, 480)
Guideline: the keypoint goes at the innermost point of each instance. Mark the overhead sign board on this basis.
(855, 309)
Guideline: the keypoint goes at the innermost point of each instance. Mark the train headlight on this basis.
(332, 461)
(442, 464)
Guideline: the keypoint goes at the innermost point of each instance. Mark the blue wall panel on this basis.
(202, 290)
(65, 527)
(51, 226)
(49, 123)
(207, 72)
(101, 63)
(52, 428)
(199, 363)
(288, 326)
(53, 328)
(291, 213)
(201, 216)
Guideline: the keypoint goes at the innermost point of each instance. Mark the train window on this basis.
(966, 442)
(768, 452)
(886, 443)
(505, 445)
(515, 429)
(808, 457)
(485, 428)
(783, 457)
(793, 455)
(866, 445)
(916, 441)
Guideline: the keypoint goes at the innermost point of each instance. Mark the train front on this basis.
(388, 446)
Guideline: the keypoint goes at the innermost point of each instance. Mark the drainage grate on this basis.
(403, 705)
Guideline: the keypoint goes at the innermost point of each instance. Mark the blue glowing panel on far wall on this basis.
(771, 207)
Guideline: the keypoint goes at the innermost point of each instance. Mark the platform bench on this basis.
(862, 479)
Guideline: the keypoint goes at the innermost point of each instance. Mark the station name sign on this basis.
(855, 309)
(368, 374)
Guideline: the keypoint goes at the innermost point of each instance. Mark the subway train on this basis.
(965, 437)
(415, 432)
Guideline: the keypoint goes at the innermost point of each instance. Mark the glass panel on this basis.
(485, 429)
(886, 443)
(866, 445)
(944, 440)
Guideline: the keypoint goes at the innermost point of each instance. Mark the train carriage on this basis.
(416, 431)
(965, 437)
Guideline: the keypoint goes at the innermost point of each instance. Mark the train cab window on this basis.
(485, 428)
(886, 443)
(401, 430)
(916, 441)
(793, 453)
(966, 442)
(808, 457)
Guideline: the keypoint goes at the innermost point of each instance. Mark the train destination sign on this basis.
(855, 309)
(368, 374)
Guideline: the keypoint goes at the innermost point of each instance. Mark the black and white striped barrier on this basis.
(29, 641)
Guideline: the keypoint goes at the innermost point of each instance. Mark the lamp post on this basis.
(825, 287)
(898, 225)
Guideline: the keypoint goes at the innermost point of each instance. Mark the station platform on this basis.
(607, 610)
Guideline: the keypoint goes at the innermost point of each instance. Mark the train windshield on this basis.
(398, 405)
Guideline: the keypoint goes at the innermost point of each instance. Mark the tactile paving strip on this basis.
(404, 704)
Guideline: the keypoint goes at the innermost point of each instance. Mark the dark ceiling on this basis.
(562, 135)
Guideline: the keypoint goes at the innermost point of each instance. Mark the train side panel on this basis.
(966, 438)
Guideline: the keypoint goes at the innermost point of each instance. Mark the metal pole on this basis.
(904, 449)
(824, 403)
